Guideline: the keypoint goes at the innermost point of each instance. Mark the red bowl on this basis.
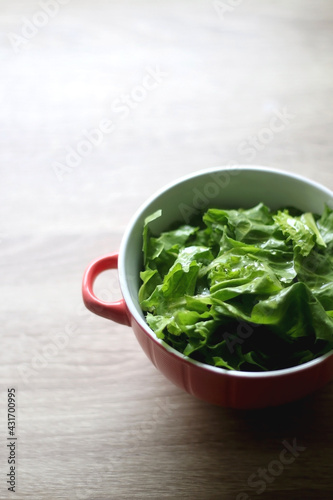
(226, 188)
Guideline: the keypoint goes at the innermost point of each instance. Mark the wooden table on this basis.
(102, 103)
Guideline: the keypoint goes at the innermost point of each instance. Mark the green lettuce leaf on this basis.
(242, 289)
(301, 230)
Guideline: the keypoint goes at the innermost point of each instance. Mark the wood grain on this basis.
(95, 420)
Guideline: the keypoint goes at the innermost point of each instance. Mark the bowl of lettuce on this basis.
(227, 282)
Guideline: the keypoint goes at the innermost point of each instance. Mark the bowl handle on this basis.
(116, 311)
